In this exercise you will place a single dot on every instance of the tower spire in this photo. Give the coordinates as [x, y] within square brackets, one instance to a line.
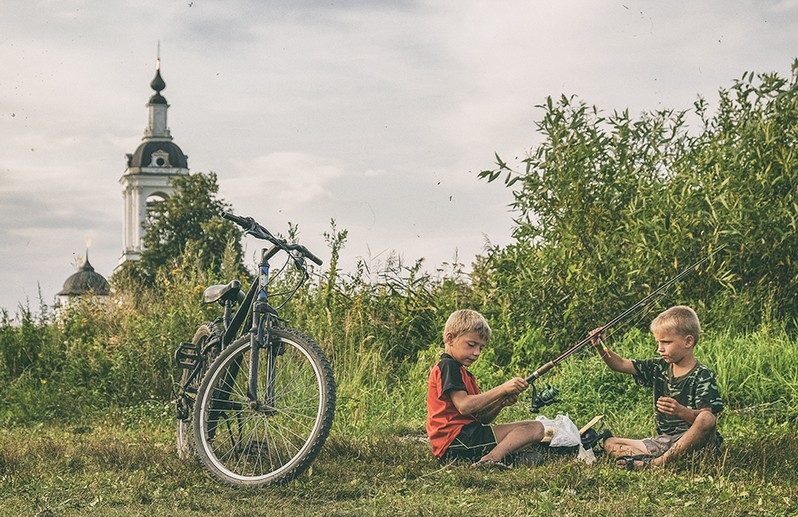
[157, 104]
[157, 82]
[150, 169]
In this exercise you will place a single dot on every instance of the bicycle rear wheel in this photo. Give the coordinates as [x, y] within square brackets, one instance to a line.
[254, 443]
[184, 434]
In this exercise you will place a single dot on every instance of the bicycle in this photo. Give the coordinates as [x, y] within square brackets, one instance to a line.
[262, 395]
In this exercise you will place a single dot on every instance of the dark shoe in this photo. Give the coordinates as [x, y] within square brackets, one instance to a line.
[591, 438]
[637, 462]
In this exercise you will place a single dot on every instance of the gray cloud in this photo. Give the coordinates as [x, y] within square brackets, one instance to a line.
[376, 114]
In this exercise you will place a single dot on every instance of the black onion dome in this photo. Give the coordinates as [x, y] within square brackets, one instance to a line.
[157, 84]
[85, 281]
[143, 157]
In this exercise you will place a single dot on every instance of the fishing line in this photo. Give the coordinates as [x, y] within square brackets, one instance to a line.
[646, 304]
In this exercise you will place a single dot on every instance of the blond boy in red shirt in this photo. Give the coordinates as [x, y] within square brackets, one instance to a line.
[458, 414]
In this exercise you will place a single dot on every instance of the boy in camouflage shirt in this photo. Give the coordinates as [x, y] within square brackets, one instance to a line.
[686, 398]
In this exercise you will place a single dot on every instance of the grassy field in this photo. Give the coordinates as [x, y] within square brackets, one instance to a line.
[61, 454]
[125, 464]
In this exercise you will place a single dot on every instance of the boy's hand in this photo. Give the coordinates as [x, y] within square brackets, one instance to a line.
[514, 386]
[509, 400]
[597, 340]
[669, 406]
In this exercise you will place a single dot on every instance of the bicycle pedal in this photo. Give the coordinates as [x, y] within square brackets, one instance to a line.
[187, 355]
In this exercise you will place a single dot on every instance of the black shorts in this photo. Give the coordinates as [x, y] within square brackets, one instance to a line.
[474, 441]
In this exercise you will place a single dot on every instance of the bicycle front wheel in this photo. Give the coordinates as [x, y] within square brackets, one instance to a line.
[246, 442]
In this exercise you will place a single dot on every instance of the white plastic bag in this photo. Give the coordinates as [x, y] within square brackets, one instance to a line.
[587, 456]
[566, 434]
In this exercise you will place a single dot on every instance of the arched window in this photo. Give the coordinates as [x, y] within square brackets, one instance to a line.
[156, 197]
[152, 201]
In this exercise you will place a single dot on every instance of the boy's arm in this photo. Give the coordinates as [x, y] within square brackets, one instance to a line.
[487, 404]
[708, 399]
[613, 360]
[670, 406]
[490, 413]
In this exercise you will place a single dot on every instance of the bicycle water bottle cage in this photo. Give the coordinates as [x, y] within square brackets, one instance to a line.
[223, 293]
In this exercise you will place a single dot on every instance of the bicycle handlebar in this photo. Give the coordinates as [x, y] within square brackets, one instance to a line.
[253, 228]
[244, 222]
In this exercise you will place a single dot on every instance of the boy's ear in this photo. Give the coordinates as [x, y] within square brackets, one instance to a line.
[690, 340]
[448, 336]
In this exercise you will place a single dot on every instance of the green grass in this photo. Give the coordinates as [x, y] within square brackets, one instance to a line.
[68, 451]
[124, 463]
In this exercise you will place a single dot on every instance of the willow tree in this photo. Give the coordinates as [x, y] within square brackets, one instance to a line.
[608, 206]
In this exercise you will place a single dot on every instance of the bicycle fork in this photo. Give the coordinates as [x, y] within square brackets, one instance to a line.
[260, 338]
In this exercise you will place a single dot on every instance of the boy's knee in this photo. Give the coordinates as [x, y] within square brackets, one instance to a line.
[536, 430]
[705, 422]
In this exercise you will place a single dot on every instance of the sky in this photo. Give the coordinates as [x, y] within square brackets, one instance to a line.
[377, 115]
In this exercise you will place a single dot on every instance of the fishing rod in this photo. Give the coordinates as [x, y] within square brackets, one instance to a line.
[549, 395]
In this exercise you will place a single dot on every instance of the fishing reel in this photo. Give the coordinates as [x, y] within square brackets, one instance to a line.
[544, 398]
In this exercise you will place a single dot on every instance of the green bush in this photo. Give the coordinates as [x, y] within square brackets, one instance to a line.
[608, 207]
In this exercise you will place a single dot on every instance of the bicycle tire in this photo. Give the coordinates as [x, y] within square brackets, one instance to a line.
[184, 436]
[248, 445]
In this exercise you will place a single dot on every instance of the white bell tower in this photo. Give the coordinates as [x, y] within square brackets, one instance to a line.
[150, 170]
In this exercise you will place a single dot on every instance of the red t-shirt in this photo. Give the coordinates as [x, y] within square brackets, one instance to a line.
[444, 422]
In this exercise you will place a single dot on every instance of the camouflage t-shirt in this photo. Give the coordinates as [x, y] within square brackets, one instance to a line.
[697, 389]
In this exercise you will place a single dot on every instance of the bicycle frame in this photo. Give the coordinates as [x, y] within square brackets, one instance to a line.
[263, 317]
[255, 308]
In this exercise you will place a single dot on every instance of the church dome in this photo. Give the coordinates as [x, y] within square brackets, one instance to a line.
[155, 153]
[85, 281]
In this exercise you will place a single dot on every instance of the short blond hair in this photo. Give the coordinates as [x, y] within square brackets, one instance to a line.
[466, 320]
[679, 318]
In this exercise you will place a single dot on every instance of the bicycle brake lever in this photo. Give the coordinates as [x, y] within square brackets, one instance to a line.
[299, 258]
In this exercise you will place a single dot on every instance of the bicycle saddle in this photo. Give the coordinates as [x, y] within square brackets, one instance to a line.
[224, 292]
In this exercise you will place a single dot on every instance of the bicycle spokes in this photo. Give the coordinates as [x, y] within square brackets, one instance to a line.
[272, 436]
